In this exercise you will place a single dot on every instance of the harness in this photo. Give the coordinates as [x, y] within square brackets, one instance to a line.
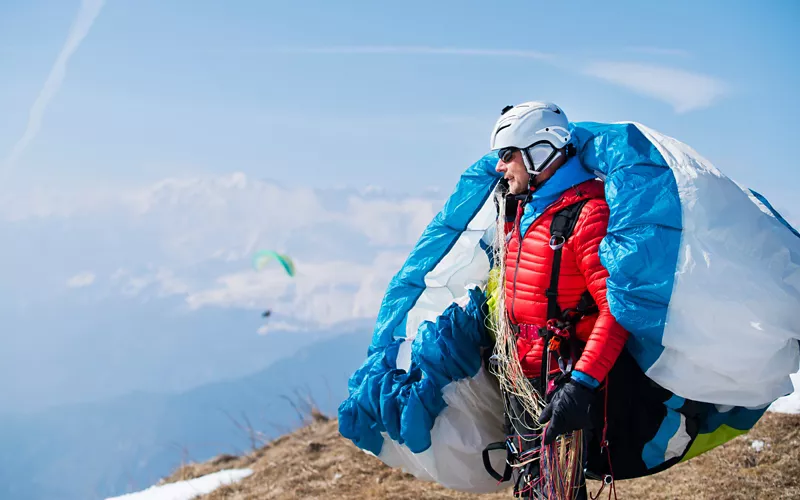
[559, 342]
[559, 331]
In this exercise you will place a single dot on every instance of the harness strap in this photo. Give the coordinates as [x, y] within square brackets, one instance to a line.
[560, 230]
[487, 464]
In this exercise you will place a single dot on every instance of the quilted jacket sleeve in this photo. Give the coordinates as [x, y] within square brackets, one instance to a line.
[607, 338]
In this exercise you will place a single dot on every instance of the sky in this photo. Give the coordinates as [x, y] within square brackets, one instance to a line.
[362, 93]
[147, 147]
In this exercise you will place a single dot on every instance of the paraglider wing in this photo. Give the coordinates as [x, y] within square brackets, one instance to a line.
[423, 400]
[684, 243]
[264, 257]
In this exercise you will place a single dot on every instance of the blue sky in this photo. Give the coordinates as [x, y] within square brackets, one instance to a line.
[359, 93]
[183, 135]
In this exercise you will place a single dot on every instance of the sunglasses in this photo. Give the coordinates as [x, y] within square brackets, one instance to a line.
[506, 154]
[539, 154]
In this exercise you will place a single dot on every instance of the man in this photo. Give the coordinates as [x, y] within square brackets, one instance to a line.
[555, 285]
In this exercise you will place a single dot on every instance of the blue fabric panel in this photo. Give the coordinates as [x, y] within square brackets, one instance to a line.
[472, 190]
[737, 417]
[404, 404]
[655, 451]
[641, 248]
[777, 215]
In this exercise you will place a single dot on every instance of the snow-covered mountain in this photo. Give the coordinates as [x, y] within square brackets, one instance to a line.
[108, 289]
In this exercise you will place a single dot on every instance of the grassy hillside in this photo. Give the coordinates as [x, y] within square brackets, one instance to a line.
[316, 462]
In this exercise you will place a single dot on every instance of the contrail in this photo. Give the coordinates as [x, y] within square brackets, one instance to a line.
[80, 27]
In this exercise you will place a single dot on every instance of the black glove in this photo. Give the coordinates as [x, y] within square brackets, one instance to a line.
[568, 411]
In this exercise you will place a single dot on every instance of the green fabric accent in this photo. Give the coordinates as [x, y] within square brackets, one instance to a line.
[493, 291]
[705, 442]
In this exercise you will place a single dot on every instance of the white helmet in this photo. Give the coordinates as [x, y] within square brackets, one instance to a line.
[539, 129]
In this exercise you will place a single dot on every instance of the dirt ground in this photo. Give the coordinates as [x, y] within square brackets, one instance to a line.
[316, 462]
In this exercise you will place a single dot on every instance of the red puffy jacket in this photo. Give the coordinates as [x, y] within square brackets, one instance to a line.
[581, 269]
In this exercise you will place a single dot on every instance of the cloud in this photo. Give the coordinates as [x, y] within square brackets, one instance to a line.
[275, 326]
[322, 293]
[46, 202]
[683, 90]
[193, 238]
[391, 222]
[160, 283]
[80, 28]
[81, 280]
[414, 50]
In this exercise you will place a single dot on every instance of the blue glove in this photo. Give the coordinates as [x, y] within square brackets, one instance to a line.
[568, 411]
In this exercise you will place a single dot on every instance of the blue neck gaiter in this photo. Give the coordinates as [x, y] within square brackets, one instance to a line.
[570, 174]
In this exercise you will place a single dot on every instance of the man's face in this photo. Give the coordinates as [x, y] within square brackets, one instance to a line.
[514, 172]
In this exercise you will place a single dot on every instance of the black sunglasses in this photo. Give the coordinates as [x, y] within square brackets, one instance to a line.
[506, 154]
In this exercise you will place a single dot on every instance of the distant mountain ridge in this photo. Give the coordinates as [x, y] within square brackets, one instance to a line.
[94, 450]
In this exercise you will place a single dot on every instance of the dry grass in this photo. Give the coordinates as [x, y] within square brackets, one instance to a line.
[734, 471]
[316, 462]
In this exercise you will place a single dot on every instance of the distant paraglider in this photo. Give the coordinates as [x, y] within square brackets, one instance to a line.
[264, 329]
[263, 257]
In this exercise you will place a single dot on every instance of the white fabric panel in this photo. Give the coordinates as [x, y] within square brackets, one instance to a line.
[678, 443]
[465, 264]
[732, 325]
[473, 419]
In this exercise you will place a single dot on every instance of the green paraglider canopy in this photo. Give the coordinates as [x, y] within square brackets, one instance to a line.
[263, 257]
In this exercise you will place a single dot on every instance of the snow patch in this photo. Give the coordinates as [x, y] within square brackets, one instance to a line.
[790, 403]
[186, 490]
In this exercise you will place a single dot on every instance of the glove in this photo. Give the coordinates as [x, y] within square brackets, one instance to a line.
[568, 411]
